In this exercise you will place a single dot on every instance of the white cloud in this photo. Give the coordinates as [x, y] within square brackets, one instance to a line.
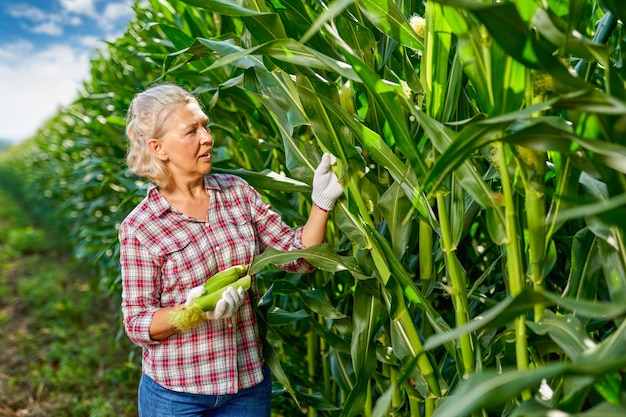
[84, 7]
[47, 28]
[29, 12]
[73, 13]
[35, 84]
[38, 21]
[114, 13]
[13, 51]
[90, 42]
[36, 77]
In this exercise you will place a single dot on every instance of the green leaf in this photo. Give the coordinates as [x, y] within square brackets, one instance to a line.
[396, 209]
[233, 54]
[592, 209]
[273, 362]
[388, 18]
[535, 408]
[267, 180]
[614, 266]
[391, 103]
[293, 52]
[225, 7]
[384, 402]
[579, 47]
[357, 396]
[437, 66]
[322, 256]
[566, 331]
[398, 271]
[508, 309]
[279, 317]
[335, 341]
[491, 388]
[341, 365]
[334, 9]
[316, 401]
[265, 28]
[367, 319]
[313, 299]
[586, 266]
[455, 149]
[500, 315]
[505, 24]
[587, 308]
[325, 129]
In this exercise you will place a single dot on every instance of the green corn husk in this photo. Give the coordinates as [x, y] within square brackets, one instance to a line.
[193, 314]
[225, 277]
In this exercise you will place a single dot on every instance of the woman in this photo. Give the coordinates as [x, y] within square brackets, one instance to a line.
[191, 225]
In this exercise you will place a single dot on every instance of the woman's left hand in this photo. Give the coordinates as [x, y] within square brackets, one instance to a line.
[326, 186]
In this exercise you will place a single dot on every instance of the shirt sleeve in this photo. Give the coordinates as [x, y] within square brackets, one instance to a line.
[273, 232]
[140, 288]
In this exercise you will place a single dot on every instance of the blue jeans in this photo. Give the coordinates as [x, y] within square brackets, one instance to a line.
[157, 401]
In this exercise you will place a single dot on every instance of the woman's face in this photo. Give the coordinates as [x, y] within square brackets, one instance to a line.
[186, 146]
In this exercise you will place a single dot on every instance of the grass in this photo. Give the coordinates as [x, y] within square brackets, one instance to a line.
[63, 352]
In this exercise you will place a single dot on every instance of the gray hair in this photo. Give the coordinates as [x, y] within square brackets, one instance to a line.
[146, 119]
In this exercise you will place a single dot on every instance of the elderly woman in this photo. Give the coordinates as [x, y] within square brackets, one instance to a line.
[191, 225]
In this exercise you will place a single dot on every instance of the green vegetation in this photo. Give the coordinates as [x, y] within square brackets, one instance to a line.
[476, 265]
[61, 353]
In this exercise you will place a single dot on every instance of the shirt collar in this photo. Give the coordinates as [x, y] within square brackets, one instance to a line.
[159, 205]
[210, 183]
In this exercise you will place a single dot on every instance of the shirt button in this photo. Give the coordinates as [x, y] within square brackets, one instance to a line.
[230, 325]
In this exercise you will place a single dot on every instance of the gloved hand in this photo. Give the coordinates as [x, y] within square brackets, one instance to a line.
[326, 186]
[227, 305]
[194, 293]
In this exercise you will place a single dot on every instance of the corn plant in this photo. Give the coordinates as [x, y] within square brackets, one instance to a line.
[476, 264]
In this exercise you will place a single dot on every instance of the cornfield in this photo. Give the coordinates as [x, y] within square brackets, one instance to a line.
[476, 265]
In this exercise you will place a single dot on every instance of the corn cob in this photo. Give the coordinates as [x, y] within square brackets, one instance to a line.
[193, 313]
[224, 277]
[208, 301]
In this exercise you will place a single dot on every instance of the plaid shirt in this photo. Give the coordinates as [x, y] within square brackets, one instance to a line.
[165, 253]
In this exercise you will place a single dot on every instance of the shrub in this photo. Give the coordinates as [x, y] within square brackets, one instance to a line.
[26, 240]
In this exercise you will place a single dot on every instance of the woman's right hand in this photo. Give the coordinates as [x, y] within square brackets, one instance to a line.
[227, 305]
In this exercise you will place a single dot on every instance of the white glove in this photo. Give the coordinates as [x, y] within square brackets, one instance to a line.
[326, 186]
[194, 293]
[227, 305]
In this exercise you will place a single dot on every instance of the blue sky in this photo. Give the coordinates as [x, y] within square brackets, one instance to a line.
[45, 46]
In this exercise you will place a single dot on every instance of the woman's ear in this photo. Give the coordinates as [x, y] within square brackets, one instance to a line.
[156, 147]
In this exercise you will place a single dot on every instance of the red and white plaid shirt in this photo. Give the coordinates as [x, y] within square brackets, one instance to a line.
[165, 253]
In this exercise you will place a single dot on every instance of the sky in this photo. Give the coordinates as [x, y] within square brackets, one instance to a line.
[45, 47]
